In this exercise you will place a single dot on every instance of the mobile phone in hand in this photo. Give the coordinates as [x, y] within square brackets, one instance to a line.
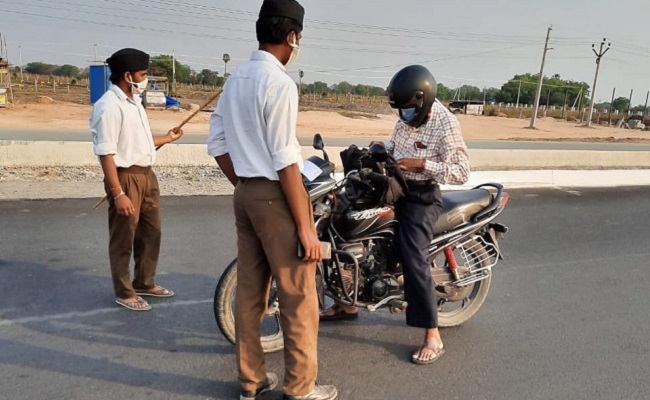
[325, 248]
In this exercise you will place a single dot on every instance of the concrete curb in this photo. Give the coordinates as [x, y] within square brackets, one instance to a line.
[40, 154]
[512, 168]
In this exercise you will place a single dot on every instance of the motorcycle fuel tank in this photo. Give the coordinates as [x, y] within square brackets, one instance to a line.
[372, 223]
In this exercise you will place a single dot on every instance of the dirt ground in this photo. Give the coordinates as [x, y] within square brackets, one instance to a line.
[64, 116]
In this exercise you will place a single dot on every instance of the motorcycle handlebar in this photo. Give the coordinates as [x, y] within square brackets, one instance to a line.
[374, 177]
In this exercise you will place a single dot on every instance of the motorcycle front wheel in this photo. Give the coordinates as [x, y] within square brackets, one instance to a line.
[224, 311]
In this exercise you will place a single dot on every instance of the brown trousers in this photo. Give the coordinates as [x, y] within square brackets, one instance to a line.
[267, 245]
[138, 235]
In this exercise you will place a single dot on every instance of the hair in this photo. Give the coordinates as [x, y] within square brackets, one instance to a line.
[116, 78]
[274, 30]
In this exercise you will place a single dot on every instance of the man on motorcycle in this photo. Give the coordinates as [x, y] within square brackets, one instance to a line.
[428, 145]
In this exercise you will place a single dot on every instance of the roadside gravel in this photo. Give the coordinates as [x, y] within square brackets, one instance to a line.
[82, 182]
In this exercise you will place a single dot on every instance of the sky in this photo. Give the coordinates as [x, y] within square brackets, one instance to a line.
[473, 42]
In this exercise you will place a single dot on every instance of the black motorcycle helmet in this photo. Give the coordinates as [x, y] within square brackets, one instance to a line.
[411, 94]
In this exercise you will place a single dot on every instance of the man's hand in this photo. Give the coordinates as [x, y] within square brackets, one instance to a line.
[175, 134]
[412, 164]
[124, 206]
[311, 244]
[299, 203]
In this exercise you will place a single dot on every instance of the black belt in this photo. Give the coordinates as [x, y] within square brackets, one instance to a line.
[428, 182]
[134, 169]
[252, 179]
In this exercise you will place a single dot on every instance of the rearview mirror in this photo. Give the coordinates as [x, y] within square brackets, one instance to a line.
[378, 152]
[318, 142]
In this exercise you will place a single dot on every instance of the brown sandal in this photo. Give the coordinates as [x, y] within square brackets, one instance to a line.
[134, 304]
[437, 353]
[158, 291]
[339, 314]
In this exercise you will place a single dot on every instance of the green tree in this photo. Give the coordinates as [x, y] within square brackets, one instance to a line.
[40, 68]
[208, 77]
[444, 93]
[84, 73]
[319, 87]
[162, 65]
[509, 90]
[376, 91]
[554, 90]
[491, 94]
[621, 104]
[67, 70]
[342, 88]
[467, 92]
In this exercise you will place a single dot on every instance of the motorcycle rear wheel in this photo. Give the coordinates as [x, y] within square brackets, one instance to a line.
[469, 306]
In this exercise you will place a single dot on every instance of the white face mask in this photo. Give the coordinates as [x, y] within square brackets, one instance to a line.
[140, 87]
[295, 52]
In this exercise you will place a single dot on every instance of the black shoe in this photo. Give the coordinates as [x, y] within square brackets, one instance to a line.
[271, 383]
[325, 392]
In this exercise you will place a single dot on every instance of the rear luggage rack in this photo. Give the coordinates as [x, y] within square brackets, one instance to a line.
[475, 260]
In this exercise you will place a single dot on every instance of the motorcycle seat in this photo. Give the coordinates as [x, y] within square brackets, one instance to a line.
[459, 207]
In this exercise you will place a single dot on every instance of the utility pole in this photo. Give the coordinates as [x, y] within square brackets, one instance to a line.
[580, 95]
[301, 74]
[645, 109]
[518, 93]
[629, 104]
[611, 107]
[20, 58]
[599, 55]
[541, 79]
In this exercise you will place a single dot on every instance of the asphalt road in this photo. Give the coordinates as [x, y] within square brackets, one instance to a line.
[566, 317]
[78, 136]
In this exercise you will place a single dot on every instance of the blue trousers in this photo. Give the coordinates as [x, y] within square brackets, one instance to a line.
[417, 213]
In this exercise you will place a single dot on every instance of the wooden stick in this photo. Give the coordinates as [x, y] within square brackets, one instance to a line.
[185, 121]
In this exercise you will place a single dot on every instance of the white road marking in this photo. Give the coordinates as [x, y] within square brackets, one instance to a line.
[47, 318]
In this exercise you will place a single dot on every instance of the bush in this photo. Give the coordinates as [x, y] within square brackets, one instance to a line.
[490, 111]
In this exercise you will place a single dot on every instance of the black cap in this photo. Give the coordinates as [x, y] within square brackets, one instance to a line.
[126, 60]
[283, 8]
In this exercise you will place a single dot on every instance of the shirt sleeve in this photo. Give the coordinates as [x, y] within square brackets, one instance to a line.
[453, 165]
[217, 135]
[105, 127]
[281, 116]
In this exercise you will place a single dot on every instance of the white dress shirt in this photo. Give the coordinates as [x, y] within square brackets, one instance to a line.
[255, 120]
[120, 127]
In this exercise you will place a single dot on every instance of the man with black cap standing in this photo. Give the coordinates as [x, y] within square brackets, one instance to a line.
[126, 148]
[253, 138]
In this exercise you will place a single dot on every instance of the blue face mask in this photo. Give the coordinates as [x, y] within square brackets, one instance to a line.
[407, 114]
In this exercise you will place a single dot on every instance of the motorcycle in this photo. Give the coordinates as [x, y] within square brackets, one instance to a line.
[353, 217]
